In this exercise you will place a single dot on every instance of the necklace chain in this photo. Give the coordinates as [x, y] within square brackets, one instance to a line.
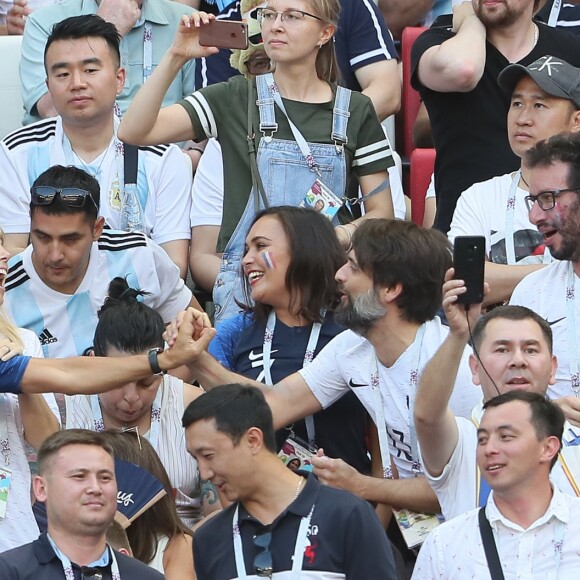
[299, 487]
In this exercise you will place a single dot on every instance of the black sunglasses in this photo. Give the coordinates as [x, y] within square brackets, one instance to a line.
[71, 196]
[263, 564]
[93, 573]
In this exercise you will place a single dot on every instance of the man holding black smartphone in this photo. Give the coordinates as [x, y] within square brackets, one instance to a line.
[512, 350]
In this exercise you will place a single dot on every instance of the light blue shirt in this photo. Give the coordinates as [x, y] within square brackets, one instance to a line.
[163, 17]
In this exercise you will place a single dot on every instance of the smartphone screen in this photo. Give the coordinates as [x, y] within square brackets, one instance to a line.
[224, 34]
[469, 265]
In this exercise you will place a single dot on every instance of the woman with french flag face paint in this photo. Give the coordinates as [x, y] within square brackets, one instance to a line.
[289, 265]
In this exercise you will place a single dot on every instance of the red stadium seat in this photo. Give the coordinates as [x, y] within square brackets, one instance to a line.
[422, 162]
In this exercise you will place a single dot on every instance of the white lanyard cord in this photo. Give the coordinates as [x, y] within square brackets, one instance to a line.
[299, 548]
[571, 329]
[308, 356]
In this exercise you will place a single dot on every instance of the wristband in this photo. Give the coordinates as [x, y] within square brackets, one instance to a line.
[154, 362]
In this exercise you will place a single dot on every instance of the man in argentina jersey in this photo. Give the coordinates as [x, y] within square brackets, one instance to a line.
[57, 285]
[84, 80]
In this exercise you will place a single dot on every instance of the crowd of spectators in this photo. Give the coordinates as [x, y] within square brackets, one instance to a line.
[209, 271]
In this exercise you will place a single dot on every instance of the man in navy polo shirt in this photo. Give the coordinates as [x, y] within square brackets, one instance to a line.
[280, 520]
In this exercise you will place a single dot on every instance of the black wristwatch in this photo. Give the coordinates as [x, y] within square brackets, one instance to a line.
[154, 362]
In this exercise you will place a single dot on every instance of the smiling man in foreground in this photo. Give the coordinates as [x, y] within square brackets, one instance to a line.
[530, 526]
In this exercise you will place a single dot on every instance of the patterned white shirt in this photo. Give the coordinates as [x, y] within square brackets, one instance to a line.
[548, 549]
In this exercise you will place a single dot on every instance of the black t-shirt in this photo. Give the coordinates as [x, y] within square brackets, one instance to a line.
[470, 129]
[340, 429]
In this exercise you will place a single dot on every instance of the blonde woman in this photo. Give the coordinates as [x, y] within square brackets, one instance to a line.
[24, 418]
[304, 129]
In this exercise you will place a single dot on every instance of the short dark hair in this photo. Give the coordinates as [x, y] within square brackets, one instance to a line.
[86, 25]
[547, 418]
[235, 408]
[125, 323]
[59, 176]
[514, 313]
[55, 442]
[397, 252]
[564, 148]
[316, 255]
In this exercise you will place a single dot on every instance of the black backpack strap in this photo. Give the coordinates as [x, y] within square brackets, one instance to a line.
[130, 162]
[489, 547]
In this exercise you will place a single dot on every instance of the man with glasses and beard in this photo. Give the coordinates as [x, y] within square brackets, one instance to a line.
[280, 520]
[554, 169]
[392, 290]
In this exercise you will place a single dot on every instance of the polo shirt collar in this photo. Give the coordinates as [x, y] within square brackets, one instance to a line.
[558, 508]
[300, 507]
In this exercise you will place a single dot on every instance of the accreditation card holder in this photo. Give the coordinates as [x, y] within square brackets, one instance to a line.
[297, 453]
[321, 199]
[5, 479]
[415, 527]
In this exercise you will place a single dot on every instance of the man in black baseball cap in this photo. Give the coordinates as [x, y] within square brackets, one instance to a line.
[545, 101]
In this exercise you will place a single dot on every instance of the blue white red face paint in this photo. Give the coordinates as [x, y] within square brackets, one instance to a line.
[268, 260]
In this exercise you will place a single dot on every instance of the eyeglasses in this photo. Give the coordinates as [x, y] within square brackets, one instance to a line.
[547, 199]
[258, 66]
[263, 564]
[71, 196]
[290, 17]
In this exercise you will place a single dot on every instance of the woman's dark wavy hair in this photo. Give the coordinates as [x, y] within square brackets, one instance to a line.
[316, 255]
[126, 323]
[162, 517]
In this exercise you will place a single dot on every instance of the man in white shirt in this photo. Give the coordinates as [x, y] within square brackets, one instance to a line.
[57, 285]
[512, 350]
[84, 79]
[533, 529]
[545, 101]
[554, 167]
[391, 294]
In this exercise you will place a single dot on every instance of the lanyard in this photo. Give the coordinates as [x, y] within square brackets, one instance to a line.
[571, 328]
[102, 561]
[299, 548]
[554, 13]
[301, 142]
[308, 356]
[509, 223]
[99, 425]
[4, 440]
[380, 411]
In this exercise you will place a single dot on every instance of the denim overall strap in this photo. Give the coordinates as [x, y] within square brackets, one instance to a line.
[266, 105]
[340, 115]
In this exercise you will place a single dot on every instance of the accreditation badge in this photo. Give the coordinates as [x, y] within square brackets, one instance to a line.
[5, 480]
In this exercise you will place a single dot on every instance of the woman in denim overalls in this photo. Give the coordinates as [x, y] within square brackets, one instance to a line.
[297, 37]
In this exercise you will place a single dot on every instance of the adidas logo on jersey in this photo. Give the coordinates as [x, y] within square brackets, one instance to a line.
[46, 337]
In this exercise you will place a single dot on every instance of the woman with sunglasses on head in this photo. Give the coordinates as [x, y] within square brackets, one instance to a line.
[157, 537]
[24, 419]
[153, 406]
[289, 265]
[305, 128]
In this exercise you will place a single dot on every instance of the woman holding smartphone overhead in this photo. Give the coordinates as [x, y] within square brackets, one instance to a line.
[305, 133]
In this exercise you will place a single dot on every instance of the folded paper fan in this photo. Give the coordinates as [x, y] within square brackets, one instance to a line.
[137, 491]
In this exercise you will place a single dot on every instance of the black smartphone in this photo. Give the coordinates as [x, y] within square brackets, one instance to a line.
[230, 34]
[469, 265]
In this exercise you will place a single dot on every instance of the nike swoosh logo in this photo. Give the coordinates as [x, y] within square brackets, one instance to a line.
[556, 321]
[354, 385]
[253, 356]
